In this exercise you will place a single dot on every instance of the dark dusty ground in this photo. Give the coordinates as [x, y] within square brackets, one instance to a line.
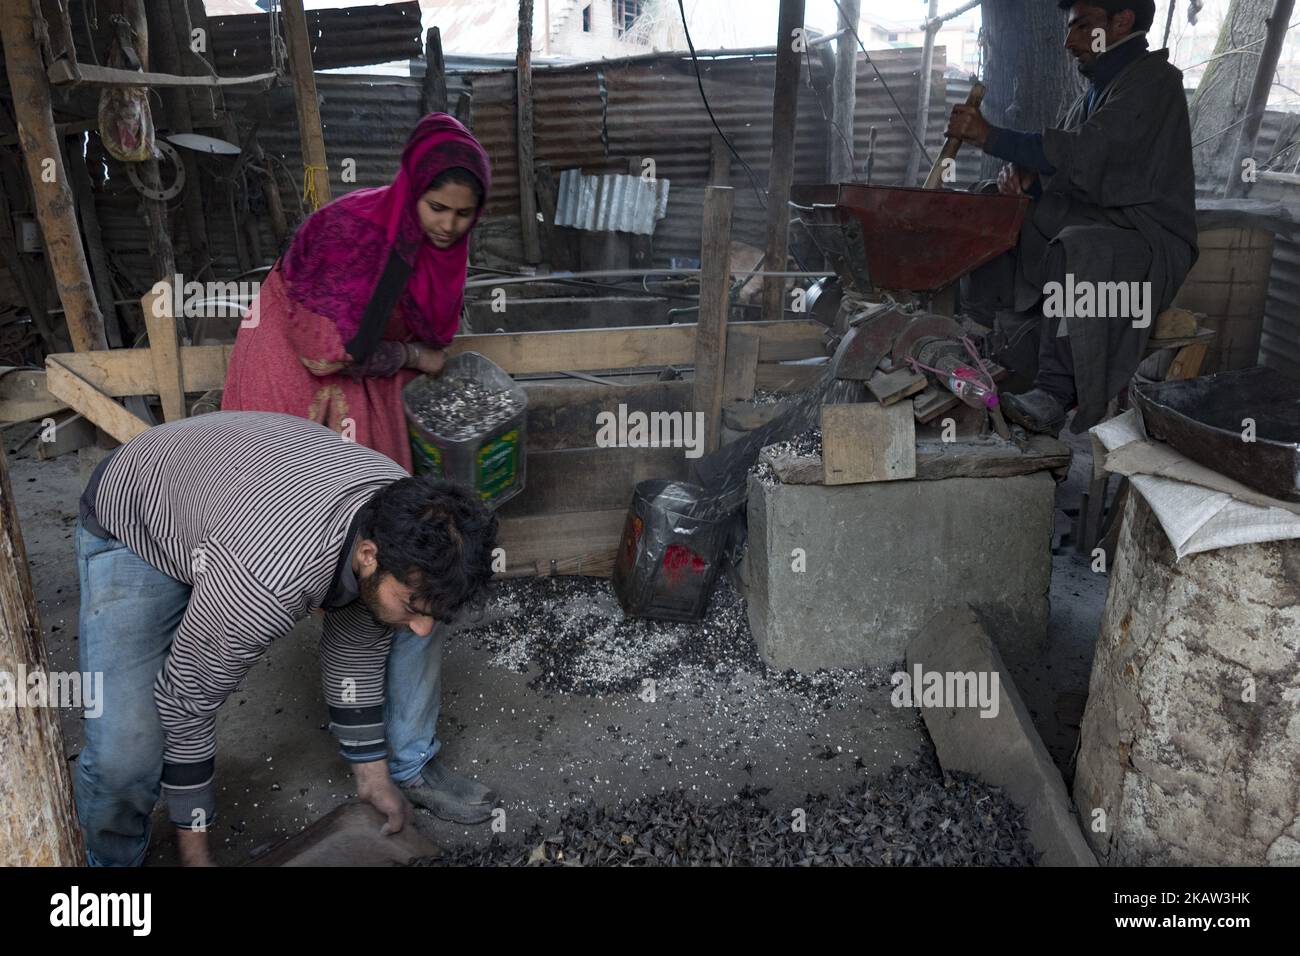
[546, 751]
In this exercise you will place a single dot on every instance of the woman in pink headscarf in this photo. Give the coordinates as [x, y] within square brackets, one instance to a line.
[367, 296]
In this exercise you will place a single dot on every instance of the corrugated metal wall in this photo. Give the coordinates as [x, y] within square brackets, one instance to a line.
[1279, 345]
[597, 114]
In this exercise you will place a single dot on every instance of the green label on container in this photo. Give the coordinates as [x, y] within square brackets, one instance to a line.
[427, 456]
[498, 464]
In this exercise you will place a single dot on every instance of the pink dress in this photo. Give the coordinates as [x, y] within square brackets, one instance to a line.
[290, 362]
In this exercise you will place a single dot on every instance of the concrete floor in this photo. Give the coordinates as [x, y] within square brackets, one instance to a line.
[279, 770]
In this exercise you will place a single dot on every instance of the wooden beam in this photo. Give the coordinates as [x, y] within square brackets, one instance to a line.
[583, 542]
[97, 406]
[715, 303]
[55, 207]
[38, 823]
[743, 347]
[23, 396]
[844, 95]
[165, 349]
[63, 73]
[121, 372]
[719, 162]
[785, 100]
[524, 134]
[72, 432]
[304, 91]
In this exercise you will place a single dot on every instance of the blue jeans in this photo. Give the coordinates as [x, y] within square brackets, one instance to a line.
[129, 612]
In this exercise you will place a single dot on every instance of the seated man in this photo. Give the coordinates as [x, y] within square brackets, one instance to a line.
[1113, 217]
[202, 541]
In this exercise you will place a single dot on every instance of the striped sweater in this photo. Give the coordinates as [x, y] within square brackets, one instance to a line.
[254, 511]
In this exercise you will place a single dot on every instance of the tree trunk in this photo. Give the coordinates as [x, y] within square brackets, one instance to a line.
[1029, 76]
[1219, 104]
[37, 822]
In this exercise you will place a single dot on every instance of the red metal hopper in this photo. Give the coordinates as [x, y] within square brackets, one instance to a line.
[904, 239]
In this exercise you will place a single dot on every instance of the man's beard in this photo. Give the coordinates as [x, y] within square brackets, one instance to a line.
[1088, 67]
[369, 587]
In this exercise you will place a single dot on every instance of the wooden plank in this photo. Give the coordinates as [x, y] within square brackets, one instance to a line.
[775, 377]
[651, 346]
[23, 396]
[937, 459]
[891, 387]
[590, 479]
[38, 826]
[933, 402]
[1187, 363]
[62, 73]
[581, 542]
[119, 372]
[742, 365]
[91, 402]
[868, 442]
[711, 331]
[565, 416]
[165, 350]
[72, 432]
[719, 162]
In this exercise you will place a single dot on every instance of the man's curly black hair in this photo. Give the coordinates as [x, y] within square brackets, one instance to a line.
[435, 537]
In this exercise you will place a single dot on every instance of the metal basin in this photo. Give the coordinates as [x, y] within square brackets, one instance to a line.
[1203, 419]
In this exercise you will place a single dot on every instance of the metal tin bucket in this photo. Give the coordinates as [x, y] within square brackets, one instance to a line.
[671, 550]
[490, 463]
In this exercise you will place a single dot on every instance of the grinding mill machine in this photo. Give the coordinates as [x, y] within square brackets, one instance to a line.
[897, 250]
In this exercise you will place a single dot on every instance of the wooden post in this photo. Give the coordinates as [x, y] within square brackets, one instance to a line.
[166, 57]
[923, 101]
[1258, 102]
[83, 189]
[524, 134]
[719, 162]
[844, 94]
[37, 819]
[785, 99]
[316, 181]
[164, 350]
[711, 332]
[433, 92]
[54, 203]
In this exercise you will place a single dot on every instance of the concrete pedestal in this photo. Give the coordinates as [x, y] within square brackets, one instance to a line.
[879, 560]
[1188, 749]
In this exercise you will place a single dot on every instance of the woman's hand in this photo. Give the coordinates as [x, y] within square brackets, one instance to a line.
[427, 360]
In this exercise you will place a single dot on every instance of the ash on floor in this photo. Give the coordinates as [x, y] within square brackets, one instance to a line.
[570, 635]
[912, 816]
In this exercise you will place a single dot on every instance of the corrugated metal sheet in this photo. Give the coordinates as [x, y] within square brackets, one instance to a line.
[599, 115]
[354, 36]
[611, 203]
[1279, 345]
